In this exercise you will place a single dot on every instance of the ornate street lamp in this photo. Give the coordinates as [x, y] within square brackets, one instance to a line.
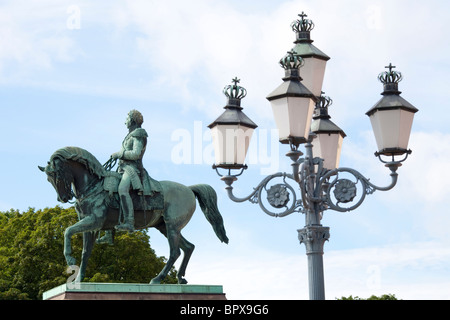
[323, 184]
[330, 137]
[392, 116]
[292, 103]
[232, 131]
[315, 60]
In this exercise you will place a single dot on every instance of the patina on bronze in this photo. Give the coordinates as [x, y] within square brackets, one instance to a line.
[166, 205]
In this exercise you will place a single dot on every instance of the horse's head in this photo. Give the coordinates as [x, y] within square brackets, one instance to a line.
[60, 178]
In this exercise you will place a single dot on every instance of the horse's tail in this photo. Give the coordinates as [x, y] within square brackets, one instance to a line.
[207, 198]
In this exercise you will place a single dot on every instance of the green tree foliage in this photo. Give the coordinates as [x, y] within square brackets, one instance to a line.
[372, 297]
[32, 260]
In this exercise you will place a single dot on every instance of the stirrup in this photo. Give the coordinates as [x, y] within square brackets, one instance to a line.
[107, 238]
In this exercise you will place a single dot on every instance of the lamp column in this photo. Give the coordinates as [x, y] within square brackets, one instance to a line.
[314, 237]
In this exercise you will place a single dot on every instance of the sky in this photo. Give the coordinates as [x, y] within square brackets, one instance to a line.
[70, 71]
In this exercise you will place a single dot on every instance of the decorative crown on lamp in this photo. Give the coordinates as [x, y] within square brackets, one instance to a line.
[302, 25]
[292, 62]
[234, 93]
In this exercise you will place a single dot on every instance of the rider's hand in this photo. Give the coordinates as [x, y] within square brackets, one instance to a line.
[116, 155]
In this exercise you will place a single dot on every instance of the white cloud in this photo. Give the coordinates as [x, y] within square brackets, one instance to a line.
[33, 36]
[397, 269]
[422, 190]
[254, 273]
[186, 52]
[426, 169]
[193, 49]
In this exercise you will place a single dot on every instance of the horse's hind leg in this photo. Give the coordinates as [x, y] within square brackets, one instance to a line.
[187, 248]
[173, 236]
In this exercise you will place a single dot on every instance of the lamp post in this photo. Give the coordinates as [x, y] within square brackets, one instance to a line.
[302, 118]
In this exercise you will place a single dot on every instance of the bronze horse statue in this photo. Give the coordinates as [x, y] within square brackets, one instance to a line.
[76, 173]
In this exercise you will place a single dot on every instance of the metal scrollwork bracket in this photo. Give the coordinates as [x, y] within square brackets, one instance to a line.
[342, 190]
[278, 196]
[320, 189]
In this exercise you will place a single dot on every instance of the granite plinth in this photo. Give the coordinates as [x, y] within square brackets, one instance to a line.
[132, 291]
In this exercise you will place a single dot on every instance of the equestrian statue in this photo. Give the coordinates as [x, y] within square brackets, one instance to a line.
[127, 199]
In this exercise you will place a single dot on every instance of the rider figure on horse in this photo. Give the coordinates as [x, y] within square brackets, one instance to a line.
[130, 166]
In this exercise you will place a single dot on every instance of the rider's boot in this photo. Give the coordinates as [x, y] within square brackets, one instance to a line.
[127, 208]
[107, 238]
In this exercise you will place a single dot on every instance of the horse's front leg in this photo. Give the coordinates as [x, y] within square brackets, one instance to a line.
[88, 244]
[87, 224]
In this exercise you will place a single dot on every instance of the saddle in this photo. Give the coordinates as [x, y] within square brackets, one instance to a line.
[151, 199]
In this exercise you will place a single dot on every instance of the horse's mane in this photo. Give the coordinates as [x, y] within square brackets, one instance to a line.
[82, 156]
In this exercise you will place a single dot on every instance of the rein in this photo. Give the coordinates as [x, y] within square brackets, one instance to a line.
[83, 197]
[91, 191]
[109, 165]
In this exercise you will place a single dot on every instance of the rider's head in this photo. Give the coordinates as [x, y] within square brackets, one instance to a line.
[136, 117]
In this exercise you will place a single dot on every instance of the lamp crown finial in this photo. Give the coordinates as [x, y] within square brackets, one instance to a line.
[291, 60]
[302, 24]
[234, 92]
[390, 76]
[324, 101]
[321, 109]
[390, 80]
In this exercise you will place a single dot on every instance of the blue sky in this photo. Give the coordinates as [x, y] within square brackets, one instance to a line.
[71, 70]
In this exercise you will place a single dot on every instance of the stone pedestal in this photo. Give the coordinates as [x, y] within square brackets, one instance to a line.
[131, 291]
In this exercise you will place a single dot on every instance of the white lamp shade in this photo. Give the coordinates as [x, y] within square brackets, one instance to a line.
[231, 142]
[392, 128]
[293, 117]
[312, 73]
[328, 146]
